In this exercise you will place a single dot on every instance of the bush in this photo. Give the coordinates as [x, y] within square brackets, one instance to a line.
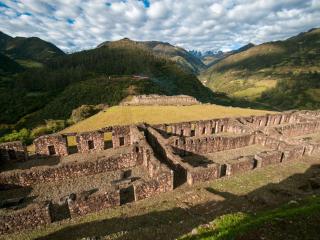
[23, 135]
[51, 126]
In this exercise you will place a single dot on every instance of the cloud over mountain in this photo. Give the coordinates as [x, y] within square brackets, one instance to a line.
[201, 24]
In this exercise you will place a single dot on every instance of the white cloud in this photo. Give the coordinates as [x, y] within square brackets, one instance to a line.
[202, 24]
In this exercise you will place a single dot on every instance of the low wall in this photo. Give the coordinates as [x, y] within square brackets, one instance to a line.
[297, 129]
[154, 99]
[93, 203]
[70, 170]
[29, 218]
[211, 144]
[202, 174]
[11, 151]
[243, 164]
[163, 183]
[268, 158]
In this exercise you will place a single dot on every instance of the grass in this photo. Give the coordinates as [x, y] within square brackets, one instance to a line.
[122, 115]
[238, 224]
[29, 63]
[314, 93]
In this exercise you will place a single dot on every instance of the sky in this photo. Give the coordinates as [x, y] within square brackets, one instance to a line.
[203, 25]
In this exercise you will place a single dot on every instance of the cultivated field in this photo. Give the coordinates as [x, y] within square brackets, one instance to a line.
[123, 115]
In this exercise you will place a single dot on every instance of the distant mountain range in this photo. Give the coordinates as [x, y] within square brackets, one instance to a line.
[179, 55]
[210, 58]
[38, 81]
[285, 74]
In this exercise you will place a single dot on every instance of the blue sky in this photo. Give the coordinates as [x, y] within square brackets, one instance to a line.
[193, 24]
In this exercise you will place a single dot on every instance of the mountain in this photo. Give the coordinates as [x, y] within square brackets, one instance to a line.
[102, 75]
[32, 48]
[179, 55]
[284, 74]
[210, 58]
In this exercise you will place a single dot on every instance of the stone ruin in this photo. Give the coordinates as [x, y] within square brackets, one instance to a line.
[154, 99]
[140, 161]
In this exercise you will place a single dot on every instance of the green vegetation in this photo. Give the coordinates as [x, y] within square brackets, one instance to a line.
[280, 74]
[32, 48]
[184, 59]
[99, 76]
[7, 65]
[237, 225]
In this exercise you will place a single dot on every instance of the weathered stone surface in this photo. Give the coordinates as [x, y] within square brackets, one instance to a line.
[243, 164]
[31, 217]
[202, 174]
[90, 141]
[55, 144]
[93, 203]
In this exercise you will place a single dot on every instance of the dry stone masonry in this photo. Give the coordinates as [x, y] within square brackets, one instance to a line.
[152, 159]
[154, 99]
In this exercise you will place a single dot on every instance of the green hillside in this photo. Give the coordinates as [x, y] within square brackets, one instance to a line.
[32, 48]
[177, 54]
[7, 65]
[103, 75]
[284, 74]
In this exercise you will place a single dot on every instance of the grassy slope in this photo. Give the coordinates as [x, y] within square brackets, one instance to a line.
[291, 221]
[121, 115]
[283, 65]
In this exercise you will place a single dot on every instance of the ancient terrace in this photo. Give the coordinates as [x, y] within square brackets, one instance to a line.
[121, 164]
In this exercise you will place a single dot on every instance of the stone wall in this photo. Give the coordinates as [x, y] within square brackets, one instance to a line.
[162, 183]
[121, 136]
[90, 141]
[55, 144]
[11, 151]
[30, 217]
[160, 100]
[297, 129]
[83, 205]
[242, 164]
[271, 119]
[70, 170]
[210, 144]
[268, 158]
[202, 174]
[202, 128]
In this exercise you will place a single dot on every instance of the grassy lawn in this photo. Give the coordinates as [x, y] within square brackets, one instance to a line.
[122, 115]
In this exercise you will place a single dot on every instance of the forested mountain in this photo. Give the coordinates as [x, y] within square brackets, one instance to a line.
[8, 66]
[179, 55]
[32, 48]
[103, 75]
[284, 74]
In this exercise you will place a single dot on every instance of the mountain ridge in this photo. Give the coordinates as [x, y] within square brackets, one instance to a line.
[259, 72]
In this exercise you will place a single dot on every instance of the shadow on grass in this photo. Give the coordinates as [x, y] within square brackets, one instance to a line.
[171, 224]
